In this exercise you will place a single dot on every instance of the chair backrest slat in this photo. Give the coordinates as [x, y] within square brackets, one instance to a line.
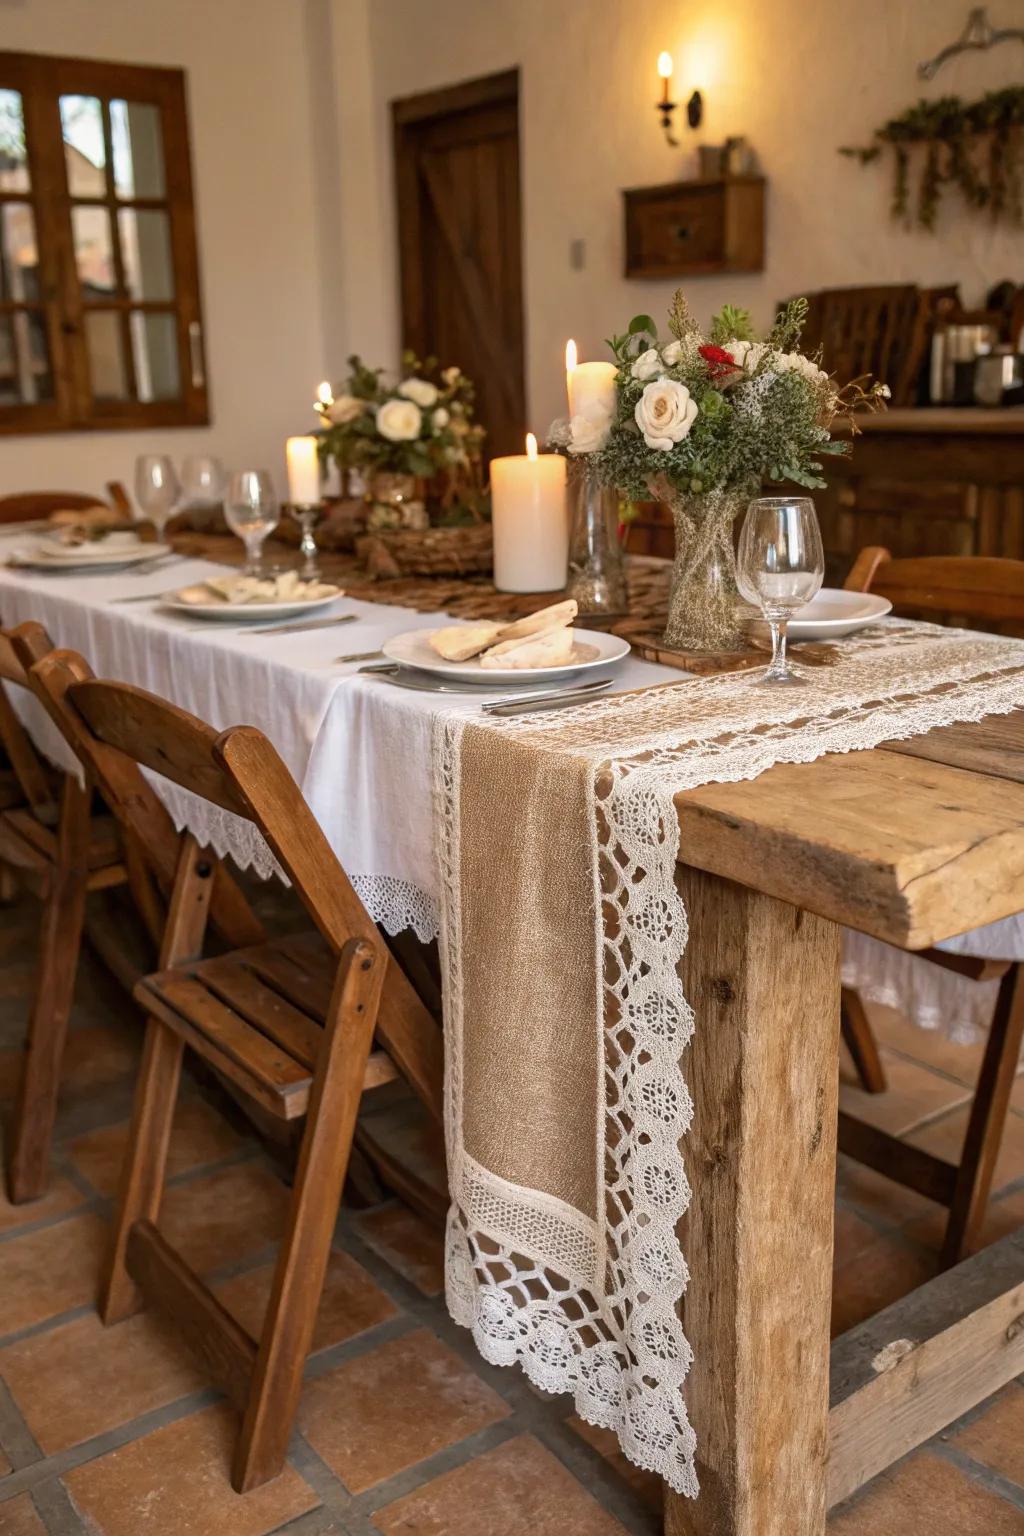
[35, 781]
[158, 735]
[970, 587]
[129, 795]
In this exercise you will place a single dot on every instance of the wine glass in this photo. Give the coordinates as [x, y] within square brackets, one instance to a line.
[202, 480]
[156, 488]
[779, 568]
[252, 511]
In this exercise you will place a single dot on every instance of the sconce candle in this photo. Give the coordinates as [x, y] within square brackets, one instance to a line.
[665, 71]
[303, 471]
[588, 383]
[530, 520]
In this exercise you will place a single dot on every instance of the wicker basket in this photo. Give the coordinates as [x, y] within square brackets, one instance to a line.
[464, 551]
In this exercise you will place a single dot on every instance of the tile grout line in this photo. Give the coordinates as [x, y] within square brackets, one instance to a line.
[984, 1476]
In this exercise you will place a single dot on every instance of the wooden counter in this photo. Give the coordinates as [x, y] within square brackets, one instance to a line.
[942, 481]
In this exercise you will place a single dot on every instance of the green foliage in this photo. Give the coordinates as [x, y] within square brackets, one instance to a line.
[950, 136]
[731, 324]
[789, 325]
[680, 320]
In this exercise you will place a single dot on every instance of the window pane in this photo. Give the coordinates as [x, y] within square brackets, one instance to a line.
[155, 349]
[19, 259]
[13, 159]
[146, 253]
[107, 367]
[94, 252]
[84, 151]
[138, 149]
[25, 375]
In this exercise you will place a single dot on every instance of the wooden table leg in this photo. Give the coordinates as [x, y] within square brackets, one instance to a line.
[763, 979]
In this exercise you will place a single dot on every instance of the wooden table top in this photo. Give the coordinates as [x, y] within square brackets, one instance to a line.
[912, 842]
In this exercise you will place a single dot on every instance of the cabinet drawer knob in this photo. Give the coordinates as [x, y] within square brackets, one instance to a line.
[683, 232]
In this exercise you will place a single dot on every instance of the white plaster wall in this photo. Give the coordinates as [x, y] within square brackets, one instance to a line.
[797, 77]
[264, 152]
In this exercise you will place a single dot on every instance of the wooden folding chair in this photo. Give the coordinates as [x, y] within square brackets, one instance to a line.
[26, 506]
[989, 592]
[291, 1023]
[59, 852]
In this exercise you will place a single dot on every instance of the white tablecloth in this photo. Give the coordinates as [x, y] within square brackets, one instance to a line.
[360, 750]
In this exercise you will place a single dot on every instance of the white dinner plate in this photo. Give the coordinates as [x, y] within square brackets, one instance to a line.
[836, 612]
[46, 555]
[241, 612]
[591, 648]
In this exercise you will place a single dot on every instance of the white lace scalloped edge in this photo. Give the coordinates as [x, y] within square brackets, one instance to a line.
[505, 1288]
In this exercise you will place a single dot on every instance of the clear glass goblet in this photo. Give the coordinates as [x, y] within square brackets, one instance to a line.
[202, 480]
[157, 490]
[779, 568]
[252, 511]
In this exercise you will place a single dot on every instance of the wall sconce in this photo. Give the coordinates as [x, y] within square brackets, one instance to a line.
[694, 107]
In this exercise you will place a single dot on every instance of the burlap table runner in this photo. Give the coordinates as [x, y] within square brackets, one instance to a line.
[565, 1021]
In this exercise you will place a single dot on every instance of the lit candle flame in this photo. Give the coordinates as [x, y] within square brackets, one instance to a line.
[324, 394]
[570, 356]
[531, 446]
[665, 65]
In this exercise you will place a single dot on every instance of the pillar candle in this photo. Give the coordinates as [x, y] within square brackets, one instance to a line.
[589, 384]
[530, 520]
[303, 471]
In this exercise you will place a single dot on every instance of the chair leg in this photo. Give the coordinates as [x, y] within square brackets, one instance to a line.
[987, 1119]
[302, 1262]
[860, 1041]
[60, 937]
[145, 1159]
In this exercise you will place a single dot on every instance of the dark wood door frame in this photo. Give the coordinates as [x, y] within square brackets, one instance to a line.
[410, 117]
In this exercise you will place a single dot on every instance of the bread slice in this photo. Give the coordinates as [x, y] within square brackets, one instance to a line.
[460, 642]
[553, 649]
[544, 619]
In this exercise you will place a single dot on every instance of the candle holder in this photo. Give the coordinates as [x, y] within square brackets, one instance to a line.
[597, 572]
[307, 515]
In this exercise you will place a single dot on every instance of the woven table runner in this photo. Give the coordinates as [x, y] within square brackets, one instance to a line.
[566, 1025]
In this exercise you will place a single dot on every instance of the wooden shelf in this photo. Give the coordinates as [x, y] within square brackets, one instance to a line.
[695, 228]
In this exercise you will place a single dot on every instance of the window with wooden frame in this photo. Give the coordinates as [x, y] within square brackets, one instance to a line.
[100, 324]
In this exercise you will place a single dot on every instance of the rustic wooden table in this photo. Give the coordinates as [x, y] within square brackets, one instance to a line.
[912, 843]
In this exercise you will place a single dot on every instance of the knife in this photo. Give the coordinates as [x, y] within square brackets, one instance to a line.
[579, 690]
[297, 629]
[521, 706]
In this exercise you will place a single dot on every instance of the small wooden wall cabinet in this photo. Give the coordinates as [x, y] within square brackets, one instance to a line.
[694, 228]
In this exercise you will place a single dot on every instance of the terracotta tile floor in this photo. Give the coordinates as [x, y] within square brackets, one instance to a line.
[403, 1430]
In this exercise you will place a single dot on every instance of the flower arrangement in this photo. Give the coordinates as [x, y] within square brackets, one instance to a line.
[420, 426]
[700, 421]
[702, 412]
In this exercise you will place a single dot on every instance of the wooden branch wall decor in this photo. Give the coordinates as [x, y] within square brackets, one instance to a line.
[975, 146]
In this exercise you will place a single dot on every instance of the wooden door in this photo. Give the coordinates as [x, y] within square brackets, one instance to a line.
[457, 184]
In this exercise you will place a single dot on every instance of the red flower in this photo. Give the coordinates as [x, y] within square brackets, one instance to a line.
[719, 361]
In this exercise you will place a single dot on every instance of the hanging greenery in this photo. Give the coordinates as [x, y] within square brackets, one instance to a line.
[977, 146]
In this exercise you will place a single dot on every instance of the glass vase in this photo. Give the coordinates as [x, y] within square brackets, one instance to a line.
[395, 501]
[705, 610]
[597, 571]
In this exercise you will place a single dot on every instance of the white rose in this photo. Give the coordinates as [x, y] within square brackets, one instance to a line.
[589, 430]
[665, 413]
[671, 355]
[794, 362]
[399, 420]
[440, 419]
[647, 365]
[344, 409]
[746, 354]
[421, 390]
[451, 376]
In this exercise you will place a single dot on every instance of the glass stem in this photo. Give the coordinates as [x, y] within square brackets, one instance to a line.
[778, 667]
[252, 554]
